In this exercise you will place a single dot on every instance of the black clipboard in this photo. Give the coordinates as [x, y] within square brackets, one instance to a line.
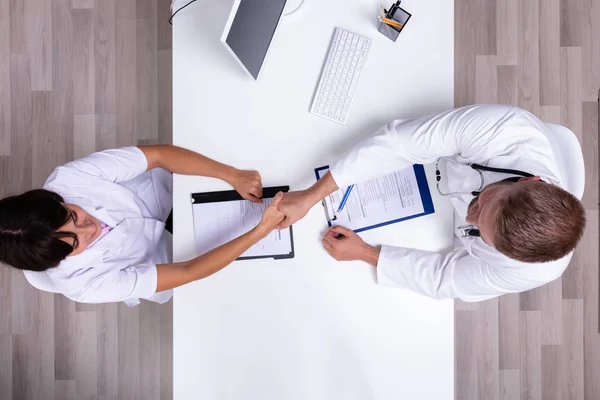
[232, 195]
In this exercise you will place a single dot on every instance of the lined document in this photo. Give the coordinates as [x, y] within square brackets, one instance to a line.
[220, 222]
[377, 201]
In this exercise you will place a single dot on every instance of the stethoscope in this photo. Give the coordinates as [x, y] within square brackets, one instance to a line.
[470, 230]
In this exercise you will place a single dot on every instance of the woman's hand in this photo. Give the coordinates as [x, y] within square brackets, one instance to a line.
[271, 216]
[345, 245]
[248, 184]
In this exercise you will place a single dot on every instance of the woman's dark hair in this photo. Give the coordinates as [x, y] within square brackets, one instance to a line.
[28, 230]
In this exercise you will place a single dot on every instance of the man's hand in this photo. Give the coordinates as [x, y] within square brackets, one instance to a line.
[294, 205]
[345, 245]
[248, 184]
[271, 216]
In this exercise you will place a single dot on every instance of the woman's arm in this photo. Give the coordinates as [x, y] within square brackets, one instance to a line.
[186, 162]
[176, 274]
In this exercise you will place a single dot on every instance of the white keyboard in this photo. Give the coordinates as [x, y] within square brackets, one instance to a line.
[340, 75]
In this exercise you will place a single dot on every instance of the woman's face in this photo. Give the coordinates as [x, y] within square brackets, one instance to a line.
[82, 224]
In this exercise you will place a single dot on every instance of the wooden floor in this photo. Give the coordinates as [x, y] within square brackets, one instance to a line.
[78, 76]
[544, 56]
[84, 75]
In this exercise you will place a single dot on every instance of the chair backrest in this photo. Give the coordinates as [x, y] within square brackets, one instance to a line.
[41, 281]
[568, 151]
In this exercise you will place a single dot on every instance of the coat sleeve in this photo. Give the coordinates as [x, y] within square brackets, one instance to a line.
[470, 132]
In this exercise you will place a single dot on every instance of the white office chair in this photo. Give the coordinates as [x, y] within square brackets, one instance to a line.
[41, 281]
[568, 152]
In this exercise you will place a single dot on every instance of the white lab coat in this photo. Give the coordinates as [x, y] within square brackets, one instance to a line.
[492, 135]
[114, 187]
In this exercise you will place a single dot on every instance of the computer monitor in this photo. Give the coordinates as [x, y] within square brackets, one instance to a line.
[250, 30]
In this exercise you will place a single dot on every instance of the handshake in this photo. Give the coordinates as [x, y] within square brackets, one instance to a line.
[287, 208]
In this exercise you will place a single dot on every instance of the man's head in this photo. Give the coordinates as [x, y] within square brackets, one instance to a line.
[38, 230]
[528, 220]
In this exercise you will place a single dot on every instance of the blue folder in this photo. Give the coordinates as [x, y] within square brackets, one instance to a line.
[423, 190]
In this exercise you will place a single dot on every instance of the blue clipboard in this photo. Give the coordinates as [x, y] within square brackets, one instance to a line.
[423, 189]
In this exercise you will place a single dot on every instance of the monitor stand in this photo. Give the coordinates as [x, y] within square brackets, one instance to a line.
[294, 9]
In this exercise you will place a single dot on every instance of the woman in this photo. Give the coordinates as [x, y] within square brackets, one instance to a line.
[97, 228]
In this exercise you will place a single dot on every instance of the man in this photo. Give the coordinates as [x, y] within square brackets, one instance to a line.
[528, 225]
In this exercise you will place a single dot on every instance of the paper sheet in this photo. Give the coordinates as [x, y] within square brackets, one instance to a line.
[218, 223]
[376, 201]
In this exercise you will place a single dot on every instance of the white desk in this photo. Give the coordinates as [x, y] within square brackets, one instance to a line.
[308, 328]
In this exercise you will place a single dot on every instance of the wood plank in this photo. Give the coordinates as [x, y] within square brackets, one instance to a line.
[5, 97]
[82, 4]
[570, 23]
[126, 87]
[551, 114]
[127, 9]
[572, 350]
[552, 372]
[84, 135]
[147, 73]
[488, 351]
[6, 364]
[33, 354]
[591, 294]
[24, 297]
[590, 49]
[43, 346]
[65, 390]
[106, 132]
[464, 57]
[86, 360]
[20, 122]
[65, 323]
[166, 350]
[165, 96]
[531, 355]
[46, 154]
[62, 93]
[549, 52]
[529, 56]
[531, 300]
[165, 31]
[146, 9]
[466, 386]
[17, 27]
[108, 350]
[5, 298]
[507, 33]
[129, 352]
[551, 308]
[590, 154]
[104, 56]
[570, 89]
[5, 27]
[508, 331]
[149, 342]
[38, 21]
[84, 96]
[510, 383]
[508, 89]
[485, 27]
[486, 77]
[585, 255]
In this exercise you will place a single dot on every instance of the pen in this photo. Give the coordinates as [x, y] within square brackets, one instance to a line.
[391, 22]
[345, 198]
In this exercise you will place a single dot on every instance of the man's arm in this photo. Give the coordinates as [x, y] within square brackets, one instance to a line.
[470, 131]
[185, 162]
[456, 274]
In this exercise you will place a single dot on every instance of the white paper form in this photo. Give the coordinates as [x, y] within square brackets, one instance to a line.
[220, 222]
[377, 201]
